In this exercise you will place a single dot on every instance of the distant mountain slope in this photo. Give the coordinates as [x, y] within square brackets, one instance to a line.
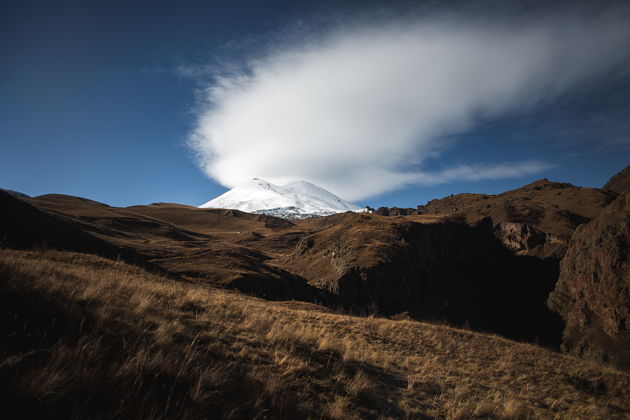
[297, 199]
[537, 219]
[553, 207]
[211, 220]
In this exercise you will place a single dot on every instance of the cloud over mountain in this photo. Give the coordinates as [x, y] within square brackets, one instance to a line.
[360, 109]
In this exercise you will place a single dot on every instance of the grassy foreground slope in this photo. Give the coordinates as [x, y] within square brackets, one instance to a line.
[86, 337]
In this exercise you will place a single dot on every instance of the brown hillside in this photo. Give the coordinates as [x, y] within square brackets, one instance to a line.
[86, 337]
[25, 226]
[218, 252]
[212, 220]
[179, 344]
[432, 267]
[483, 264]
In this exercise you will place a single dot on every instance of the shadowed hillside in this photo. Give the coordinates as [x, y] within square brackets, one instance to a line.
[24, 226]
[87, 337]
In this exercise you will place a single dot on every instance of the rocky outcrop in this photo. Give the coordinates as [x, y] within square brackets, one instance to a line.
[593, 291]
[523, 239]
[619, 183]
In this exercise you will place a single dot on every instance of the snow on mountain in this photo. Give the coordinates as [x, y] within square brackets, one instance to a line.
[294, 200]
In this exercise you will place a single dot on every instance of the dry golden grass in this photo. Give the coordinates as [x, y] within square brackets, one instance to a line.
[89, 337]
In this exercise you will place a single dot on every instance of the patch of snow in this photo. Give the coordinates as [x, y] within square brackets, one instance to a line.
[294, 200]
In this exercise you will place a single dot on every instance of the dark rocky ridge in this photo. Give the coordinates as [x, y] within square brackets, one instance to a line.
[593, 292]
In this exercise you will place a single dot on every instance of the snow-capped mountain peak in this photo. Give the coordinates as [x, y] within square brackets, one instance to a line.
[298, 199]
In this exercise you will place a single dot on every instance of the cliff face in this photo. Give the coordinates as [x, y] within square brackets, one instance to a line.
[593, 291]
[433, 270]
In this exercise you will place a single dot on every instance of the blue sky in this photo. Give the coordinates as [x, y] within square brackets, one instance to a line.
[99, 100]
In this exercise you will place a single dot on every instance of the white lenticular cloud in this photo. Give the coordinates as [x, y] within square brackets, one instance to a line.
[360, 110]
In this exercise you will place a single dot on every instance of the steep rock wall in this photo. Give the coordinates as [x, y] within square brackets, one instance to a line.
[593, 291]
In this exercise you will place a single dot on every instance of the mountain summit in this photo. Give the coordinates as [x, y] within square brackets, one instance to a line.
[298, 199]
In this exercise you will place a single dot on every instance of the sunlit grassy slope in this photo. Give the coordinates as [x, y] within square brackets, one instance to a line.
[86, 337]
